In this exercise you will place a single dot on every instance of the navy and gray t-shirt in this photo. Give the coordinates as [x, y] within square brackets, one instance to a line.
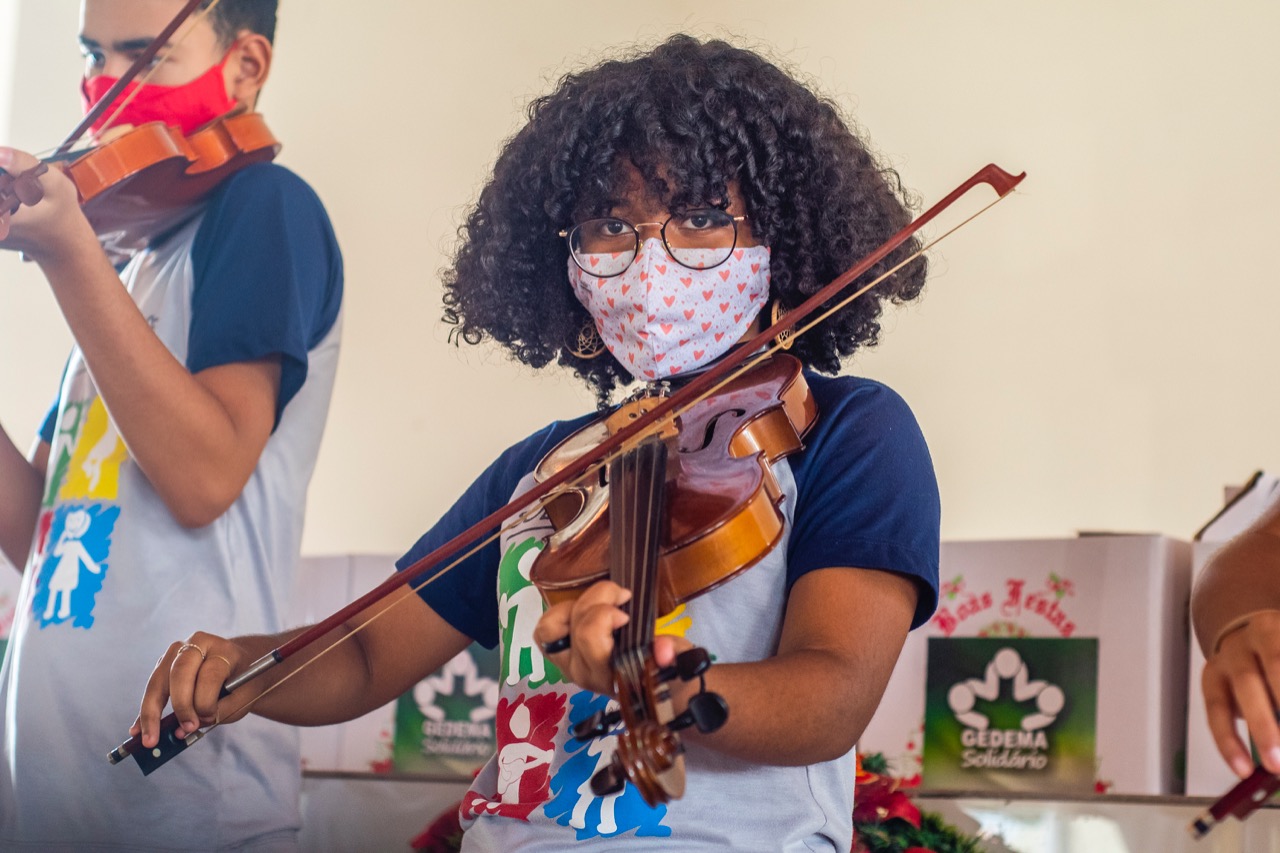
[861, 494]
[113, 578]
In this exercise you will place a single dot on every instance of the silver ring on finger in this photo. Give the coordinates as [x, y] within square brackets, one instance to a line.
[182, 648]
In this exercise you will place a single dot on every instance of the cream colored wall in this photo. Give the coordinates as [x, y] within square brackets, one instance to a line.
[1093, 353]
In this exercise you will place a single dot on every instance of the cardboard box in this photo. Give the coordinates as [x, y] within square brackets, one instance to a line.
[1129, 592]
[1207, 774]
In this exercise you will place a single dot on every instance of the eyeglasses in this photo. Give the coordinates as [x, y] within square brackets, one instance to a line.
[697, 239]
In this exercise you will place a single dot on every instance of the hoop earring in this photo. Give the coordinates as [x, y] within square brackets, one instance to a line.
[589, 344]
[776, 313]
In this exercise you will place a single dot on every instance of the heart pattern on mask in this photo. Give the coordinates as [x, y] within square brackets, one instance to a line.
[689, 317]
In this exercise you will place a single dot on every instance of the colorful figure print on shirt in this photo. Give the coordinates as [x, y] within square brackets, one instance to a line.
[575, 805]
[527, 743]
[74, 564]
[74, 531]
[520, 606]
[99, 452]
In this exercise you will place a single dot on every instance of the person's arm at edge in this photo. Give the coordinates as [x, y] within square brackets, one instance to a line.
[1235, 612]
[21, 488]
[1243, 577]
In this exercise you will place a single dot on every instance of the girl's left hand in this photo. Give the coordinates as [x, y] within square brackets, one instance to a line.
[589, 622]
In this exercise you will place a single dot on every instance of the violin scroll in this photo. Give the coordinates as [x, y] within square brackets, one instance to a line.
[649, 751]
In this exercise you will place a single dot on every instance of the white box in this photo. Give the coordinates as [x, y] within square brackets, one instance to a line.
[1130, 592]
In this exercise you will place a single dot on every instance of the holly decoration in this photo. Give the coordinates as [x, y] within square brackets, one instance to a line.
[886, 821]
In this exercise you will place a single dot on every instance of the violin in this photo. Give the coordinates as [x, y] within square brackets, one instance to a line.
[148, 179]
[646, 428]
[687, 510]
[151, 178]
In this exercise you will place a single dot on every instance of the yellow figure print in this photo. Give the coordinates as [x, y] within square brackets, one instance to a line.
[674, 624]
[94, 471]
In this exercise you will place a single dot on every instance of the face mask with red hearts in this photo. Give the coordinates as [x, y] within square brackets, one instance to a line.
[660, 319]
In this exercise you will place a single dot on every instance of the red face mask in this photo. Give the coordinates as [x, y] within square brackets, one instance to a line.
[186, 107]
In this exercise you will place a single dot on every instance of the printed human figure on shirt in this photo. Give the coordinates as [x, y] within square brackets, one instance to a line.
[573, 803]
[74, 566]
[603, 748]
[526, 733]
[520, 605]
[94, 471]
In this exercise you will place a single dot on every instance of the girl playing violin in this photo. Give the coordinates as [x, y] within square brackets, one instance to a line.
[166, 487]
[699, 184]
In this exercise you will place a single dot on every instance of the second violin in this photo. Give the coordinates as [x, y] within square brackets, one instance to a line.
[151, 178]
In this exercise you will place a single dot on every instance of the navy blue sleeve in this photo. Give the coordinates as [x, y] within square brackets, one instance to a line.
[268, 276]
[49, 426]
[867, 495]
[467, 596]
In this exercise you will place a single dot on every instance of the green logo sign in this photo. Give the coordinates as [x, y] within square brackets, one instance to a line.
[1011, 713]
[445, 725]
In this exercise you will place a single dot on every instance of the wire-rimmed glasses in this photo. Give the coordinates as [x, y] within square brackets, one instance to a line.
[697, 239]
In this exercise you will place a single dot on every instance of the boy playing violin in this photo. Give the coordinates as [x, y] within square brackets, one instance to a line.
[699, 184]
[166, 489]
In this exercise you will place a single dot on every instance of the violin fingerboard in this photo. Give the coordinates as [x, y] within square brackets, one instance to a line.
[637, 509]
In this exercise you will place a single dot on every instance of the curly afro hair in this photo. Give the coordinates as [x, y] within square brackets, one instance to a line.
[692, 117]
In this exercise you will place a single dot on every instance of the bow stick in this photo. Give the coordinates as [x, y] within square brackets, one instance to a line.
[704, 384]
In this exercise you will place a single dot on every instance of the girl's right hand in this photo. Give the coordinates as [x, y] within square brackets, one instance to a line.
[190, 676]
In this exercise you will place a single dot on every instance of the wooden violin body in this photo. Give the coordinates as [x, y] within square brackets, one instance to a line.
[723, 511]
[151, 178]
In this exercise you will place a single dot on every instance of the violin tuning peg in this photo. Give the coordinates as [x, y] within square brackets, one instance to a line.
[609, 780]
[689, 665]
[692, 663]
[597, 725]
[709, 711]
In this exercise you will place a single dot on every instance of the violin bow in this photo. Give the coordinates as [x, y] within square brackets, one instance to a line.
[1241, 801]
[473, 537]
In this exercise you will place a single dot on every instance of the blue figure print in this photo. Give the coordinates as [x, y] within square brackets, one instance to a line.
[75, 565]
[573, 803]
